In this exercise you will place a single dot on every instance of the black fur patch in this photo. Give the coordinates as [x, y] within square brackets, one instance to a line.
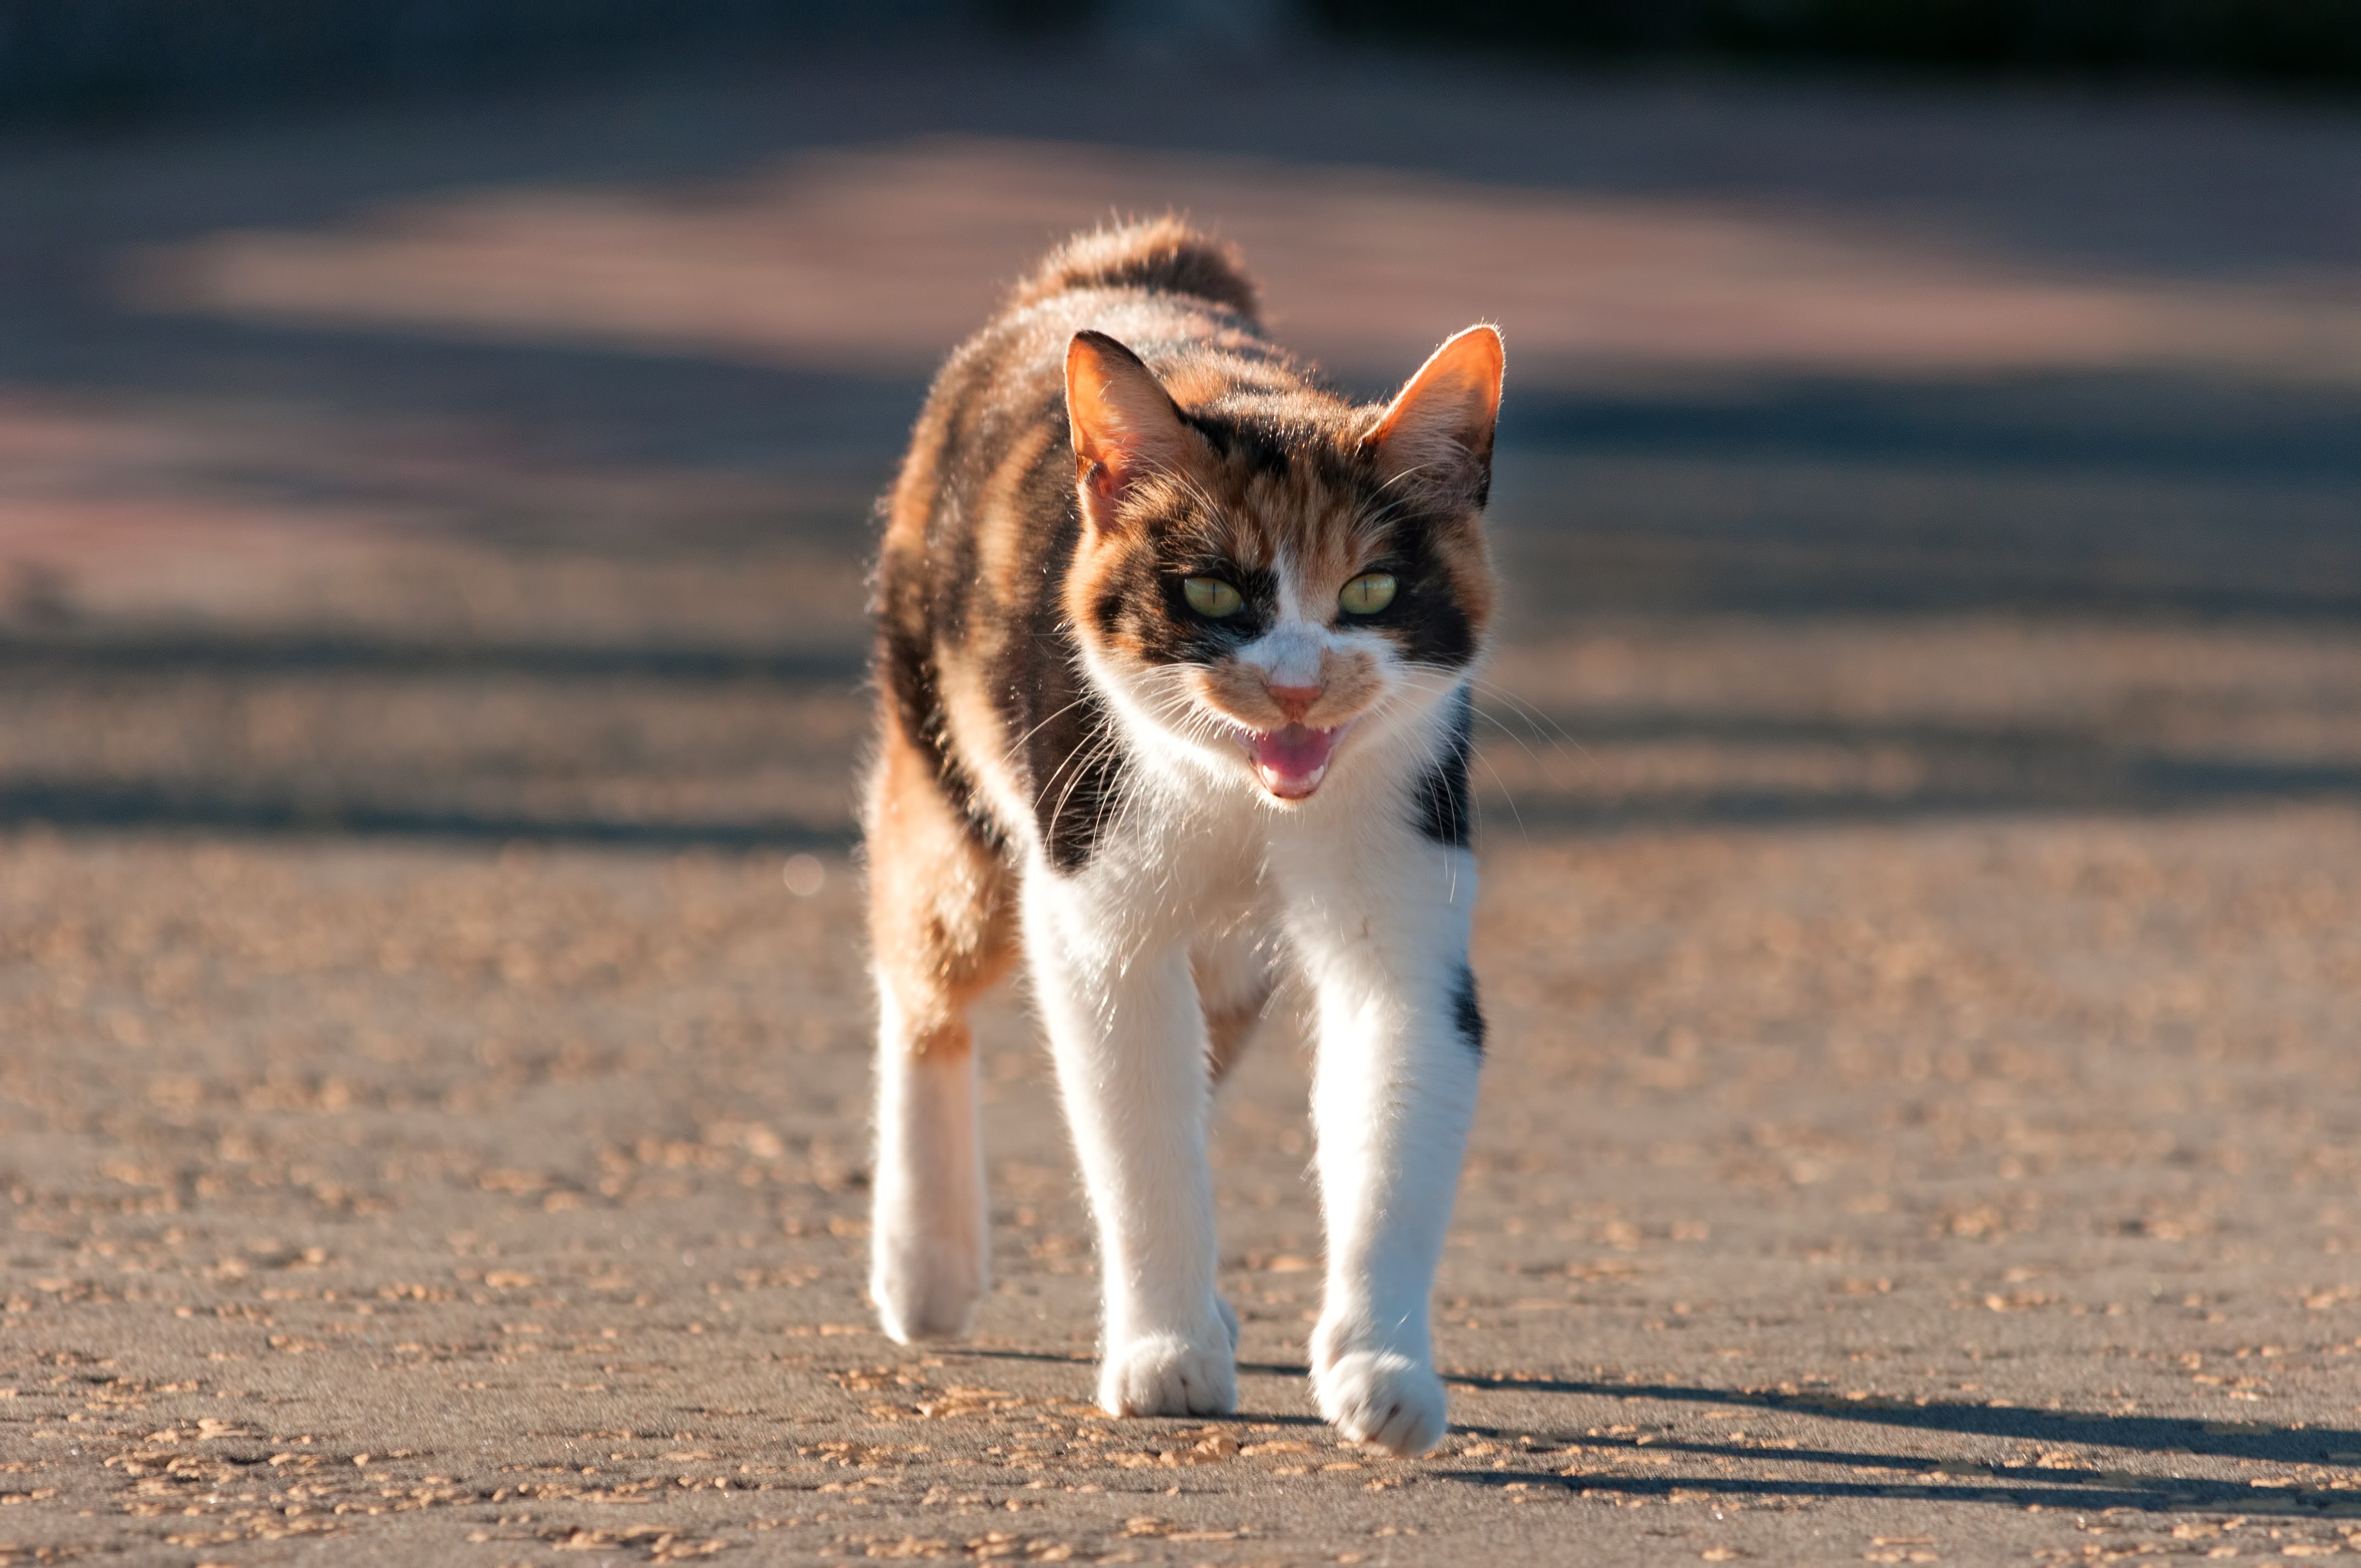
[1426, 620]
[1439, 801]
[1073, 761]
[1150, 604]
[1079, 779]
[910, 684]
[1467, 1012]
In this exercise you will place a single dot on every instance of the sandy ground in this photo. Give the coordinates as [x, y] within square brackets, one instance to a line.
[1922, 904]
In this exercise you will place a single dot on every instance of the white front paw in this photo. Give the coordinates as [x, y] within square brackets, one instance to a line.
[1169, 1375]
[1384, 1397]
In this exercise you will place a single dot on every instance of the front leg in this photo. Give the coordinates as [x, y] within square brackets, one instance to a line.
[1401, 1040]
[1128, 1037]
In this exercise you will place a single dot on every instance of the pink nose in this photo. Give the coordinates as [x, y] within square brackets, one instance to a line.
[1295, 701]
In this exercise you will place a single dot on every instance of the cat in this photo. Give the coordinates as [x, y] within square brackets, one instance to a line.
[1173, 659]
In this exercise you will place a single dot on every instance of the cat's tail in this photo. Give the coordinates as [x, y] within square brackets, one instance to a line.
[1164, 256]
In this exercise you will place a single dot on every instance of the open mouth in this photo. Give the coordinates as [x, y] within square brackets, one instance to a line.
[1291, 761]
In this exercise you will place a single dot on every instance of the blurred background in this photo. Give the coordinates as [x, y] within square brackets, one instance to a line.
[1922, 907]
[430, 418]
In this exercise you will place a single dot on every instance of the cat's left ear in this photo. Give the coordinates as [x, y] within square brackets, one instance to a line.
[1438, 429]
[1125, 425]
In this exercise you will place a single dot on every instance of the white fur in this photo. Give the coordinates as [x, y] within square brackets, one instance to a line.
[1203, 865]
[1381, 937]
[929, 1259]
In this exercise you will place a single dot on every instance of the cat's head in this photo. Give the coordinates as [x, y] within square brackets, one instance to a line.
[1269, 581]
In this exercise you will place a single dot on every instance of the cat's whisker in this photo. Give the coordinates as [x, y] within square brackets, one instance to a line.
[1095, 737]
[1444, 688]
[1526, 710]
[1518, 707]
[1092, 743]
[1078, 763]
[1104, 743]
[1018, 744]
[1506, 794]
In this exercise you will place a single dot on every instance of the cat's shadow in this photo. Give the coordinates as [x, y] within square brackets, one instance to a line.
[2162, 1435]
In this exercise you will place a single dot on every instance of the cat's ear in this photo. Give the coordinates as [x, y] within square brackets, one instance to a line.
[1125, 425]
[1438, 429]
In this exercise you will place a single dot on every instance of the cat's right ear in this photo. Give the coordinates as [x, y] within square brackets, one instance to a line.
[1125, 425]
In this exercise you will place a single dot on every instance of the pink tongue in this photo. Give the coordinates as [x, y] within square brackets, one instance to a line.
[1291, 761]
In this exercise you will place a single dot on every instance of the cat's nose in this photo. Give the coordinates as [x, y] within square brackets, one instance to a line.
[1295, 701]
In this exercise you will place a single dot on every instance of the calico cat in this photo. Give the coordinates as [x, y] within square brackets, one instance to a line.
[1172, 663]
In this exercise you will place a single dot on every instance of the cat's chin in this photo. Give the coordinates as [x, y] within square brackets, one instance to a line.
[1290, 762]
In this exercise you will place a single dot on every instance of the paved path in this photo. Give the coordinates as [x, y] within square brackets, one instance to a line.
[1920, 837]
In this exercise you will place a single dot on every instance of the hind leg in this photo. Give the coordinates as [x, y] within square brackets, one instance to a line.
[940, 931]
[1235, 974]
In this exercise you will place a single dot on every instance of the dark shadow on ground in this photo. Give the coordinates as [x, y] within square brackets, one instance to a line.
[2152, 1434]
[2049, 1485]
[2158, 1494]
[2182, 427]
[25, 659]
[1961, 772]
[577, 403]
[161, 808]
[2039, 171]
[2197, 788]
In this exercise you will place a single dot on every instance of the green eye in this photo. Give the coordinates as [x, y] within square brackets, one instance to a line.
[1212, 598]
[1368, 594]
